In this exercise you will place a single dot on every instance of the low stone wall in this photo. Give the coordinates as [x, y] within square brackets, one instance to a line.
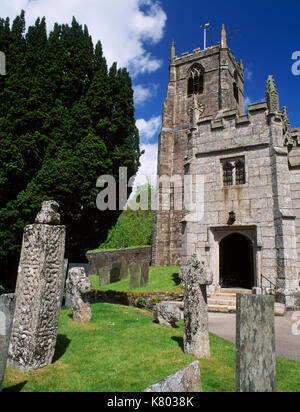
[138, 299]
[116, 262]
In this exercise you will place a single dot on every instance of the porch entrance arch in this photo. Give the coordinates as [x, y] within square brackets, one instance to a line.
[236, 262]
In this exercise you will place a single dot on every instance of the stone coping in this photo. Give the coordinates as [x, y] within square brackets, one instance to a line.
[118, 250]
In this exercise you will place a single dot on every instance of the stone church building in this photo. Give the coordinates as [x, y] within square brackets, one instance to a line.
[248, 231]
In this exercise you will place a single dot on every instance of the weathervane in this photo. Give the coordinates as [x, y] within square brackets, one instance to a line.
[206, 25]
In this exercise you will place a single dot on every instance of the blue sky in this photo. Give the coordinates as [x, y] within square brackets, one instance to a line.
[267, 35]
[264, 34]
[138, 34]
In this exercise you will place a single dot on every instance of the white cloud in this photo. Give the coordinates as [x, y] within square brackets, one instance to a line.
[248, 74]
[143, 93]
[148, 128]
[123, 26]
[147, 172]
[247, 101]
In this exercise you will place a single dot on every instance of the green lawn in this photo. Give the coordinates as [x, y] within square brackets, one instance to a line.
[123, 350]
[164, 279]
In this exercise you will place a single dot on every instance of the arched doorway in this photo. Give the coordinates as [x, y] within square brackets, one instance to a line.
[236, 262]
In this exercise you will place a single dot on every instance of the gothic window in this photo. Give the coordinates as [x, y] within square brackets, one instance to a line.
[234, 172]
[196, 80]
[227, 174]
[240, 178]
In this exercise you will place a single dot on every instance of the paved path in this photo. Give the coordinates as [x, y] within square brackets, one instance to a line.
[287, 345]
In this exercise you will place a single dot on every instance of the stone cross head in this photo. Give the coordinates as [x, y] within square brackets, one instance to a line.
[196, 272]
[48, 214]
[78, 281]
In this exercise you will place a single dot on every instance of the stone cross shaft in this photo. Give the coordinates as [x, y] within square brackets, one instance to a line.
[38, 291]
[196, 276]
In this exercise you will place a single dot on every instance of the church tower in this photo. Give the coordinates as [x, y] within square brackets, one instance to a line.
[229, 180]
[213, 81]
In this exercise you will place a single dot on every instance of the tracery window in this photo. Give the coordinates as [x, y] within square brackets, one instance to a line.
[196, 80]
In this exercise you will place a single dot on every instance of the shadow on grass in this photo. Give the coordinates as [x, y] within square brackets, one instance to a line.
[15, 388]
[176, 279]
[179, 340]
[169, 327]
[61, 347]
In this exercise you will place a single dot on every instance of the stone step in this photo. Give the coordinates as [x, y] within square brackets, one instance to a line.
[221, 308]
[220, 301]
[280, 309]
[225, 306]
[219, 295]
[235, 291]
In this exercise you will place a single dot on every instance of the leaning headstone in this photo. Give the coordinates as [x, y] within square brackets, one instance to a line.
[196, 276]
[134, 269]
[115, 272]
[144, 274]
[7, 308]
[167, 314]
[255, 344]
[104, 276]
[124, 268]
[78, 287]
[187, 379]
[38, 291]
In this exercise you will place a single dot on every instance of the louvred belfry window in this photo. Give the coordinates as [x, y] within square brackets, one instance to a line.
[196, 80]
[235, 88]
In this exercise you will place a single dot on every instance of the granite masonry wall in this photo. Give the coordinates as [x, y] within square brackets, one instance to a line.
[108, 258]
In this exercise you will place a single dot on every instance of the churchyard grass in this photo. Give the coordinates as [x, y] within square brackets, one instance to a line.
[164, 279]
[124, 350]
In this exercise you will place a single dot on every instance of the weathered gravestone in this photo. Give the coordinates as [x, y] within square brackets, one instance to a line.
[99, 262]
[104, 275]
[134, 269]
[78, 287]
[167, 314]
[196, 276]
[7, 308]
[124, 268]
[187, 379]
[144, 274]
[38, 291]
[115, 272]
[255, 344]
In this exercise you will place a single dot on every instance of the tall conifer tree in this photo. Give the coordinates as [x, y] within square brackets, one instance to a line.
[65, 119]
